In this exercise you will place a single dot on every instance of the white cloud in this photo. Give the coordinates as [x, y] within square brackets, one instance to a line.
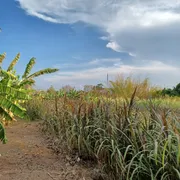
[139, 27]
[104, 61]
[145, 29]
[104, 12]
[105, 38]
[114, 46]
[42, 16]
[90, 64]
[157, 71]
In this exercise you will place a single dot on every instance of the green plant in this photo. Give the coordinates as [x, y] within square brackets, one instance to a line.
[13, 90]
[27, 79]
[73, 94]
[2, 134]
[35, 109]
[171, 92]
[127, 140]
[124, 87]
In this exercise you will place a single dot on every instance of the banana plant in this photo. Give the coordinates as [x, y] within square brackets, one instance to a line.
[27, 79]
[10, 99]
[73, 94]
[13, 91]
[61, 93]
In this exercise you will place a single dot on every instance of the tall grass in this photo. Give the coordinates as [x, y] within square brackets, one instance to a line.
[126, 132]
[126, 142]
[124, 87]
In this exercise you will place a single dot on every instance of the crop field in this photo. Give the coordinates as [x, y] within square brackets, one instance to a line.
[127, 136]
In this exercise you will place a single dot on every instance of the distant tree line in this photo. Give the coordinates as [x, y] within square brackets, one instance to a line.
[175, 91]
[171, 92]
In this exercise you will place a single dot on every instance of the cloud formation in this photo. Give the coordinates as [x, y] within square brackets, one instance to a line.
[149, 29]
[103, 62]
[160, 73]
[145, 29]
[115, 46]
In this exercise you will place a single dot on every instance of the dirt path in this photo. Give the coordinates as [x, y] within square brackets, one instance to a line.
[26, 157]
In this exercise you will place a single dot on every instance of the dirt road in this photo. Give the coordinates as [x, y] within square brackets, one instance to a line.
[26, 157]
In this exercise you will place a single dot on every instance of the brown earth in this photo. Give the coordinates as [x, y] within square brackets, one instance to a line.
[26, 156]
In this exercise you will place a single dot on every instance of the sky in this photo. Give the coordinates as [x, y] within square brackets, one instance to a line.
[88, 39]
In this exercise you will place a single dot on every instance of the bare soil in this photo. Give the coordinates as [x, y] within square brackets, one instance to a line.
[26, 156]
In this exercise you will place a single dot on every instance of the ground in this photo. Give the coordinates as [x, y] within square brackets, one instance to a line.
[26, 156]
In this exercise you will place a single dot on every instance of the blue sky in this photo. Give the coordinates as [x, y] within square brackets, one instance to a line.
[88, 39]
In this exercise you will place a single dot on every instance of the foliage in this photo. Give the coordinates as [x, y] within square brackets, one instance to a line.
[10, 99]
[35, 109]
[125, 131]
[2, 134]
[66, 91]
[10, 103]
[73, 94]
[124, 87]
[128, 139]
[98, 86]
[26, 79]
[51, 90]
[171, 92]
[13, 91]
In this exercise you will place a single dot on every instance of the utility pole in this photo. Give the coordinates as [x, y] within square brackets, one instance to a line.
[107, 80]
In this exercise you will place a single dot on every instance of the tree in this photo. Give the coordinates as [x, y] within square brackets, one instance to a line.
[177, 89]
[98, 86]
[13, 91]
[27, 79]
[171, 92]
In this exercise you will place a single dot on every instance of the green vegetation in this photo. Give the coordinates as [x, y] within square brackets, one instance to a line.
[130, 131]
[14, 91]
[171, 92]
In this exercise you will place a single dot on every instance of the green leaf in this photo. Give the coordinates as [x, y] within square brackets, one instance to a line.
[7, 75]
[16, 109]
[42, 72]
[2, 57]
[25, 82]
[13, 63]
[2, 134]
[29, 67]
[13, 92]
